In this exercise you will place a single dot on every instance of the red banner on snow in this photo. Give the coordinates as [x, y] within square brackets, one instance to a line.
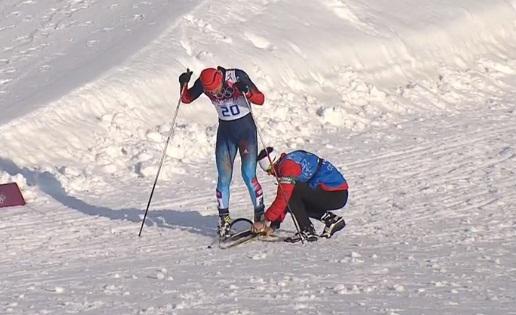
[10, 195]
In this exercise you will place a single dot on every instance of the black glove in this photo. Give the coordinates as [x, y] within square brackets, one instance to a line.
[184, 78]
[242, 87]
[275, 225]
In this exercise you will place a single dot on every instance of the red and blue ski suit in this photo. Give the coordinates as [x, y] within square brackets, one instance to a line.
[314, 182]
[236, 132]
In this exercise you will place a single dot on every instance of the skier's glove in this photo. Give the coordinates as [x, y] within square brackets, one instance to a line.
[242, 87]
[275, 225]
[261, 228]
[184, 78]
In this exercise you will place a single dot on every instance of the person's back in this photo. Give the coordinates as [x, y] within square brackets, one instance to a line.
[315, 171]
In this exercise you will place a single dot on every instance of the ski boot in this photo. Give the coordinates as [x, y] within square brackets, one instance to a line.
[332, 223]
[259, 215]
[308, 234]
[224, 228]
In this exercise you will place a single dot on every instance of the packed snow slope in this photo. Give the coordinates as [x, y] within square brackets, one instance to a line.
[414, 101]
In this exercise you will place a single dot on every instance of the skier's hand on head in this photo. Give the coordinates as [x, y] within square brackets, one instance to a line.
[242, 87]
[184, 78]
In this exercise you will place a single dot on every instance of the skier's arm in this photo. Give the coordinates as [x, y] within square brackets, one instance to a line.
[288, 170]
[253, 95]
[193, 93]
[278, 208]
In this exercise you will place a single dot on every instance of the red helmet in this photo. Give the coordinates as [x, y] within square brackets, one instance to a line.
[211, 79]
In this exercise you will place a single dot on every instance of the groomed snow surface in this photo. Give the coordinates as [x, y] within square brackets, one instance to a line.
[413, 101]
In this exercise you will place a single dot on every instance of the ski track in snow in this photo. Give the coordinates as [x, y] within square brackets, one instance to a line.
[431, 164]
[427, 231]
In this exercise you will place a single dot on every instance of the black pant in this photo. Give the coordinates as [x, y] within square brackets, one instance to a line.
[307, 203]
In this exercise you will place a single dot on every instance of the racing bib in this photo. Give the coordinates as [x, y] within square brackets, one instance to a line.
[230, 103]
[231, 109]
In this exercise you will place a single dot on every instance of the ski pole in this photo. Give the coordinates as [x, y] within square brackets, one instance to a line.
[171, 134]
[258, 129]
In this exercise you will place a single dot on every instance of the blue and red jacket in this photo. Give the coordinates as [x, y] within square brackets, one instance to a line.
[302, 167]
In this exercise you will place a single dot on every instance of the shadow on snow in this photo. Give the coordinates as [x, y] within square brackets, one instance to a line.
[190, 221]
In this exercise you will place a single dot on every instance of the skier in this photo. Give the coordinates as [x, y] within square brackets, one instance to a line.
[227, 90]
[310, 186]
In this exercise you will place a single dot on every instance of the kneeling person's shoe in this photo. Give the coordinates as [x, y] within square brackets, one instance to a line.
[332, 224]
[224, 228]
[306, 235]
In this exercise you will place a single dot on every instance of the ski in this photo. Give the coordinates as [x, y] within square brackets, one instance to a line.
[248, 236]
[237, 239]
[272, 238]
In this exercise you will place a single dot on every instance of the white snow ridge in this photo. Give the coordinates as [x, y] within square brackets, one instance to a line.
[413, 100]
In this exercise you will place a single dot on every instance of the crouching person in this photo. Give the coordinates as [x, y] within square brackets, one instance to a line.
[310, 186]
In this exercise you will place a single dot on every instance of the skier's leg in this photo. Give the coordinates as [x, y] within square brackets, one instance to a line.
[320, 202]
[297, 204]
[225, 153]
[248, 148]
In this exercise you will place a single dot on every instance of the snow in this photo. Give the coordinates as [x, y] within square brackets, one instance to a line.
[413, 101]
